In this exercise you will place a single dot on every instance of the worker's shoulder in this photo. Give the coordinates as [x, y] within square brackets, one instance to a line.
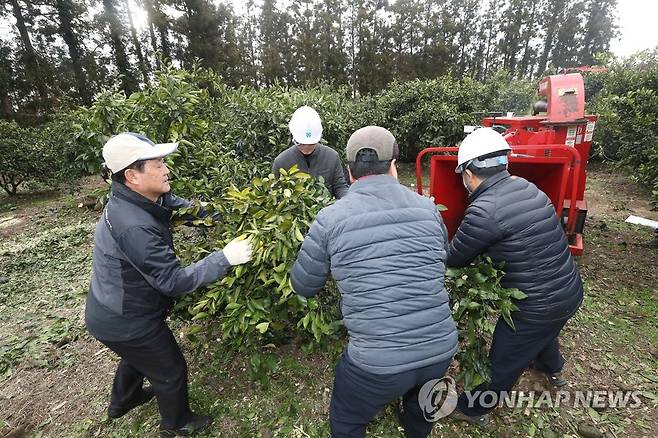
[126, 218]
[350, 205]
[327, 151]
[334, 211]
[421, 200]
[510, 197]
[357, 203]
[286, 155]
[520, 188]
[512, 185]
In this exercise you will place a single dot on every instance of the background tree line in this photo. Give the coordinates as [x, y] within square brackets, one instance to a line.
[56, 53]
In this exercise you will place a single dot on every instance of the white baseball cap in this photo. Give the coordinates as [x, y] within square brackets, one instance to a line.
[124, 149]
[305, 125]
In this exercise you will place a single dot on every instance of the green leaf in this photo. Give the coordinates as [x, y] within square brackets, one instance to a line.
[262, 327]
[200, 315]
[532, 430]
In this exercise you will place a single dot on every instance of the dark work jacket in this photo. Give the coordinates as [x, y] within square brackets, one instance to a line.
[514, 222]
[136, 273]
[323, 162]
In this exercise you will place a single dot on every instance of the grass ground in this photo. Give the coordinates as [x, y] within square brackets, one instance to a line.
[55, 379]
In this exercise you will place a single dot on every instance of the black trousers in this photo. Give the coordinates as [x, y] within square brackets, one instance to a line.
[510, 354]
[158, 358]
[359, 395]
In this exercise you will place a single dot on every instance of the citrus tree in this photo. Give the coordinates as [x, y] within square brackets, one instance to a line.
[255, 303]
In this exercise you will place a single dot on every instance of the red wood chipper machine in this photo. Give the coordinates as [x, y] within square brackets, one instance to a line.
[551, 150]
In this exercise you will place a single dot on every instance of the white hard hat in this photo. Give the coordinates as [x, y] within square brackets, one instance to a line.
[124, 149]
[305, 126]
[480, 142]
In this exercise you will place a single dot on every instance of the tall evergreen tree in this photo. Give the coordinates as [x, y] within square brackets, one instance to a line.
[66, 11]
[276, 44]
[7, 85]
[407, 37]
[248, 45]
[329, 31]
[528, 33]
[568, 41]
[552, 12]
[33, 68]
[486, 40]
[468, 17]
[137, 45]
[439, 30]
[305, 44]
[599, 29]
[150, 16]
[511, 33]
[368, 46]
[116, 30]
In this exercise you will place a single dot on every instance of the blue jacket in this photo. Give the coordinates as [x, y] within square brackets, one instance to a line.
[514, 222]
[386, 247]
[136, 274]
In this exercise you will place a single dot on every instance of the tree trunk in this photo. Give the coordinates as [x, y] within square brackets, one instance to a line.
[528, 36]
[138, 46]
[161, 26]
[116, 32]
[150, 13]
[7, 108]
[31, 56]
[550, 36]
[65, 14]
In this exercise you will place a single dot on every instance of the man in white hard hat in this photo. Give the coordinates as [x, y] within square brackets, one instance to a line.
[135, 278]
[512, 221]
[309, 155]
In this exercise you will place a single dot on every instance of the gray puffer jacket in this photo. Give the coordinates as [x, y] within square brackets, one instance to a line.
[514, 222]
[386, 248]
[136, 273]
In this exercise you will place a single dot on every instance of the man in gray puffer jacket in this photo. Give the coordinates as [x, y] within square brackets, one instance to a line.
[386, 248]
[514, 222]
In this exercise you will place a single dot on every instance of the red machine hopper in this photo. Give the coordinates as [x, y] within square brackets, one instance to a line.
[549, 150]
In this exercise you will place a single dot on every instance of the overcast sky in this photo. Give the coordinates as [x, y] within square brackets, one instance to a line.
[637, 26]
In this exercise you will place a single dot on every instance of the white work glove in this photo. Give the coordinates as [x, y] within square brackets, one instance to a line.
[238, 251]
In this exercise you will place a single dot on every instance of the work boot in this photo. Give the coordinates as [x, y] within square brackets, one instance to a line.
[478, 420]
[117, 412]
[196, 424]
[556, 379]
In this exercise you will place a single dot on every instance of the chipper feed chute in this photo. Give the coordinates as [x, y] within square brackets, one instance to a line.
[551, 150]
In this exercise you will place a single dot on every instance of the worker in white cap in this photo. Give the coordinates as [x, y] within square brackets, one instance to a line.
[513, 222]
[309, 155]
[135, 278]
